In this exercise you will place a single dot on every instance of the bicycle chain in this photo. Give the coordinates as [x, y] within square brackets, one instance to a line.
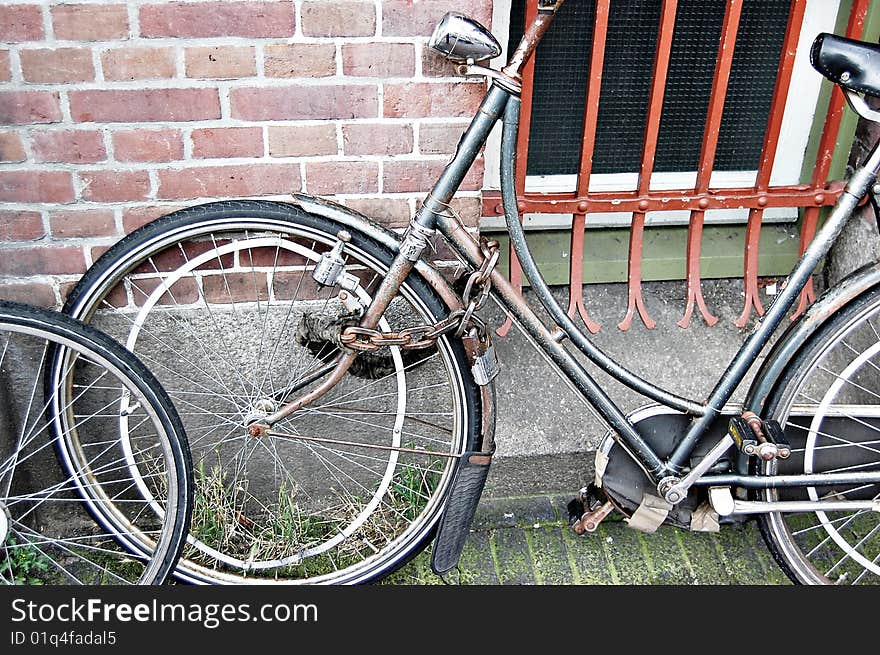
[424, 336]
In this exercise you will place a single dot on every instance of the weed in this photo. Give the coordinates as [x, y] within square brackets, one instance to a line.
[24, 565]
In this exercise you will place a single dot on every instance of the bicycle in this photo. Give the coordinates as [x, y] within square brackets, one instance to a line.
[85, 520]
[338, 390]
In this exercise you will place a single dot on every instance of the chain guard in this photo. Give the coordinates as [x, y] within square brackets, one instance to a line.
[625, 483]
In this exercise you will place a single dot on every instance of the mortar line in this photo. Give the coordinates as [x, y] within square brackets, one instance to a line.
[539, 578]
[566, 539]
[684, 554]
[612, 568]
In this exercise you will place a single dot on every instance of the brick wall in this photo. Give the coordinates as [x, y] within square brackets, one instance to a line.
[113, 113]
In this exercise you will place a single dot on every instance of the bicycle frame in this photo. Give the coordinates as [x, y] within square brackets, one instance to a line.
[502, 102]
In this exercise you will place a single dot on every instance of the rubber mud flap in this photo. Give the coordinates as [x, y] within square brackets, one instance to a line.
[470, 478]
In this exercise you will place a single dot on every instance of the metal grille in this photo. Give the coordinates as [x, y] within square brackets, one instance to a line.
[722, 126]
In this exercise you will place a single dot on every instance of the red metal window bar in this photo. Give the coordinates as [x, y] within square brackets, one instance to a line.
[810, 197]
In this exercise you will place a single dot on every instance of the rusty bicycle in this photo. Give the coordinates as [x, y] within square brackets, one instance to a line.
[338, 391]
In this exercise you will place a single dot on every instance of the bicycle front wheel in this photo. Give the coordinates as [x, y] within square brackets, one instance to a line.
[829, 403]
[219, 301]
[88, 523]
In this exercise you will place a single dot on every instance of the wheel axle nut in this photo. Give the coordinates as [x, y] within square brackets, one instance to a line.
[257, 430]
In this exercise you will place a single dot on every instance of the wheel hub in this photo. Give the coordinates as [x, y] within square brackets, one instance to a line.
[255, 418]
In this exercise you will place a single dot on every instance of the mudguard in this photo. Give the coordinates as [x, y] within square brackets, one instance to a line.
[784, 350]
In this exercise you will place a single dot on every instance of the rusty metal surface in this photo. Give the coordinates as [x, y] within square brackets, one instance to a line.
[649, 149]
[723, 65]
[810, 197]
[854, 29]
[591, 120]
[765, 167]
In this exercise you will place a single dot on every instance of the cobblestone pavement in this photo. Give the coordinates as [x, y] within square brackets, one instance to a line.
[528, 541]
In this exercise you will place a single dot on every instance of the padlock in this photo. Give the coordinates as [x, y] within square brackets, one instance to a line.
[485, 366]
[481, 351]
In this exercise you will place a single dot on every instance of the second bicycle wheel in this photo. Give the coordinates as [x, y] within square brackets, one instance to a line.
[88, 523]
[829, 403]
[218, 300]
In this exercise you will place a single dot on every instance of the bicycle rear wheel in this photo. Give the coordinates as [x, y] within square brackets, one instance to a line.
[219, 301]
[89, 523]
[829, 403]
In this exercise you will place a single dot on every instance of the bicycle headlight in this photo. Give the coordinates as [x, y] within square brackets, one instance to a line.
[460, 38]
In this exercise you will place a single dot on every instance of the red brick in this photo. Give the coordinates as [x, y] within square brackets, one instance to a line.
[184, 291]
[5, 67]
[24, 107]
[206, 19]
[440, 138]
[332, 18]
[426, 99]
[235, 287]
[21, 226]
[70, 146]
[144, 105]
[469, 210]
[62, 65]
[36, 186]
[331, 177]
[21, 23]
[391, 212]
[379, 60]
[34, 293]
[403, 176]
[290, 285]
[304, 102]
[227, 142]
[11, 147]
[173, 258]
[434, 65]
[220, 62]
[148, 145]
[115, 186]
[228, 181]
[138, 63]
[377, 139]
[302, 140]
[300, 60]
[43, 260]
[90, 22]
[408, 18]
[135, 217]
[78, 224]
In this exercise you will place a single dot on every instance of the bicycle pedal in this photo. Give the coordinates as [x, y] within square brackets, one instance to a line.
[590, 521]
[743, 435]
[756, 438]
[776, 435]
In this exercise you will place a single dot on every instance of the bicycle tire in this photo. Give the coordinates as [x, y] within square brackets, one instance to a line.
[210, 249]
[826, 401]
[53, 535]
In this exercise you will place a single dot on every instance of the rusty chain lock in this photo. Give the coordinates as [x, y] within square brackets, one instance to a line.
[460, 322]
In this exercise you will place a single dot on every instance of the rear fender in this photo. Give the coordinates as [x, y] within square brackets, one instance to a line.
[788, 345]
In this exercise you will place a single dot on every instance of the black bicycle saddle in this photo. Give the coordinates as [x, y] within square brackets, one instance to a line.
[852, 64]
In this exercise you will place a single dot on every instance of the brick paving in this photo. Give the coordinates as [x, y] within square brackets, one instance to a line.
[516, 541]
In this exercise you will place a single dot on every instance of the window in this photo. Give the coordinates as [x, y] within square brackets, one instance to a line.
[560, 90]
